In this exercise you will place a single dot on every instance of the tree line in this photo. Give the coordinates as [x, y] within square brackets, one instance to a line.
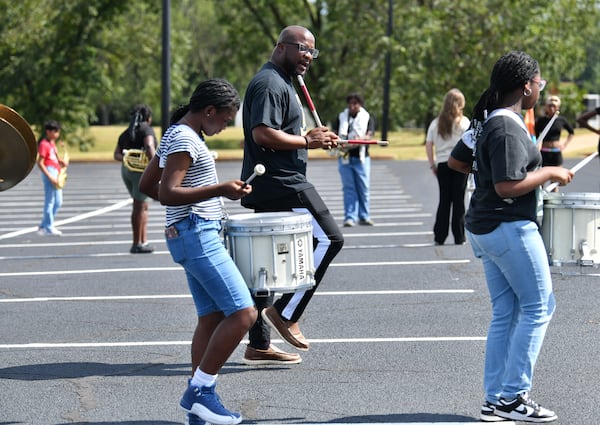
[87, 62]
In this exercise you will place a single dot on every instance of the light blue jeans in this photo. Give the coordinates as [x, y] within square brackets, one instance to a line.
[215, 282]
[518, 278]
[355, 183]
[53, 199]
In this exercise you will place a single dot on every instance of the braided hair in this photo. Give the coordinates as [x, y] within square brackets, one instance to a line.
[214, 92]
[510, 72]
[139, 114]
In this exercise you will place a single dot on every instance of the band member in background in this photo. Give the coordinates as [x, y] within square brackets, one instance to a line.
[189, 187]
[273, 136]
[443, 133]
[139, 135]
[552, 146]
[50, 164]
[354, 162]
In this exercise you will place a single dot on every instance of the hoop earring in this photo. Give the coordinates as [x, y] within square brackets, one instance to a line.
[527, 92]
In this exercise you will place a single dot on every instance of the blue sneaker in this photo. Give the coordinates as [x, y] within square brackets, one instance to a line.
[191, 419]
[206, 404]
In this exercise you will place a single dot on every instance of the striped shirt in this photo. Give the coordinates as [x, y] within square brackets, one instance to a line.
[202, 172]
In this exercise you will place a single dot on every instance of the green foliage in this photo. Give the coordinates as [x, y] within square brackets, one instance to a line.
[434, 46]
[90, 61]
[49, 58]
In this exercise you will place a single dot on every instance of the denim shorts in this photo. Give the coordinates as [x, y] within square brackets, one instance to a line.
[215, 282]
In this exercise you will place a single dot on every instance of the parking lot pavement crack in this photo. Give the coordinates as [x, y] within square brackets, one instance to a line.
[85, 391]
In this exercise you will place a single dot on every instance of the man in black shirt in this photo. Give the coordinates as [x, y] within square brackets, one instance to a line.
[274, 125]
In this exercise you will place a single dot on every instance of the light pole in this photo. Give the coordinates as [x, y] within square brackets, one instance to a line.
[388, 66]
[165, 99]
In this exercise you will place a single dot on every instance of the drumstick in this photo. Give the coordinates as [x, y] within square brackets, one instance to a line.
[364, 142]
[313, 110]
[259, 170]
[311, 105]
[576, 168]
[546, 129]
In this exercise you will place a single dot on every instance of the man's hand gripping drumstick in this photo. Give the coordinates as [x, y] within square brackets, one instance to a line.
[326, 138]
[313, 110]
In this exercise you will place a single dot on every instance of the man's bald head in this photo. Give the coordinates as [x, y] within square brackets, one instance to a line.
[294, 33]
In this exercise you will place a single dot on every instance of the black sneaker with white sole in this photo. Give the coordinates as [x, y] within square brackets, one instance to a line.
[488, 413]
[524, 409]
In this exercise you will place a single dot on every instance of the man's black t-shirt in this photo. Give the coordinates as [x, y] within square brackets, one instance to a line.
[271, 100]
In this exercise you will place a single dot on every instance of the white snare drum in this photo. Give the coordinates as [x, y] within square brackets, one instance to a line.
[273, 251]
[571, 228]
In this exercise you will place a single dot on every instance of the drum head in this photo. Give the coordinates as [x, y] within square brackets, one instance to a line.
[268, 223]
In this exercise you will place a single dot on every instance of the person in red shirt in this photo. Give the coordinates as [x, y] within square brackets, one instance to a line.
[50, 164]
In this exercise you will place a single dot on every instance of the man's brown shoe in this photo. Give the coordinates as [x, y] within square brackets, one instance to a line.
[295, 331]
[270, 356]
[282, 327]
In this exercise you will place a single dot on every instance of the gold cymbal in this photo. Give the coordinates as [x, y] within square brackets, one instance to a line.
[18, 148]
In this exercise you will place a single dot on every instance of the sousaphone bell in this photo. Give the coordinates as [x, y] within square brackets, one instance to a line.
[18, 149]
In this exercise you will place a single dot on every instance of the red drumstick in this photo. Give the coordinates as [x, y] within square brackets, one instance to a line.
[364, 142]
[311, 105]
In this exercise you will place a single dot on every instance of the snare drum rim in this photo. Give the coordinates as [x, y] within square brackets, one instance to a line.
[268, 223]
[573, 200]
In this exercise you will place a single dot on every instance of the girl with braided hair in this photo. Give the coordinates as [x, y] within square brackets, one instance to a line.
[182, 175]
[138, 135]
[503, 232]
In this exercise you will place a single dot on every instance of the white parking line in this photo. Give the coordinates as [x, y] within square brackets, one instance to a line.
[405, 423]
[176, 296]
[49, 345]
[79, 217]
[178, 268]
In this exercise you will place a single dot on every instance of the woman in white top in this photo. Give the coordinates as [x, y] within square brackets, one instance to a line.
[443, 133]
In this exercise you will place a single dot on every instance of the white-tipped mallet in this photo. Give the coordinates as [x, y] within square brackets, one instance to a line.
[259, 170]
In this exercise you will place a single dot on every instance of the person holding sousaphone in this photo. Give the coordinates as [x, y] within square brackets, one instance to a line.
[53, 175]
[135, 148]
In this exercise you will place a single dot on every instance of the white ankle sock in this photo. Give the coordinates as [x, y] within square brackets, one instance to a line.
[202, 379]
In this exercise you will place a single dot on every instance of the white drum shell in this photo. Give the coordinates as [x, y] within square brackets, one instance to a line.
[571, 228]
[273, 251]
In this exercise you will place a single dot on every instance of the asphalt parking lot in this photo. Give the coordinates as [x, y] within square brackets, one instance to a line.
[90, 334]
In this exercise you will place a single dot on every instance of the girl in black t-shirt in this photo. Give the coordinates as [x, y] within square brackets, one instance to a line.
[503, 232]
